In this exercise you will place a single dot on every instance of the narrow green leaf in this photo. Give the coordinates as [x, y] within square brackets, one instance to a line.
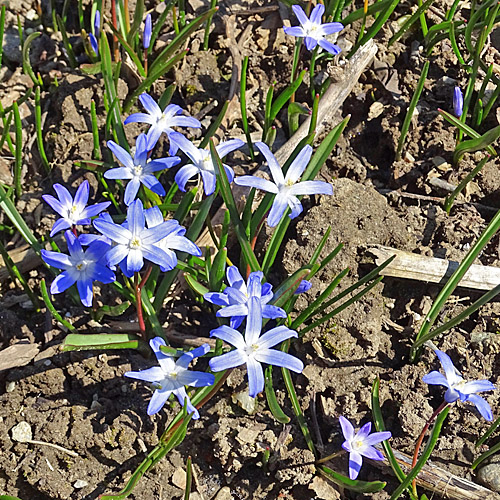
[410, 21]
[454, 280]
[130, 51]
[436, 430]
[39, 131]
[345, 482]
[26, 57]
[189, 479]
[66, 42]
[283, 98]
[494, 449]
[104, 341]
[227, 196]
[411, 108]
[378, 420]
[491, 429]
[272, 402]
[18, 165]
[51, 308]
[137, 21]
[478, 144]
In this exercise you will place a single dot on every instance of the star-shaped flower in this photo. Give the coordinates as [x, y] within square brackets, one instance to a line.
[73, 211]
[139, 170]
[360, 444]
[135, 242]
[254, 349]
[172, 376]
[202, 162]
[313, 30]
[80, 267]
[236, 297]
[458, 388]
[286, 188]
[161, 121]
[174, 240]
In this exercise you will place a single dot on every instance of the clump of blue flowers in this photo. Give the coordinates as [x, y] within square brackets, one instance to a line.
[172, 377]
[458, 388]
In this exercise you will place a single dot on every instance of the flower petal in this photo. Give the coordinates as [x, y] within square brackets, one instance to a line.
[477, 386]
[131, 191]
[279, 358]
[295, 31]
[82, 195]
[377, 437]
[311, 187]
[121, 154]
[278, 208]
[230, 336]
[184, 174]
[154, 374]
[56, 259]
[257, 183]
[255, 377]
[118, 173]
[84, 288]
[150, 105]
[274, 166]
[435, 378]
[299, 164]
[187, 357]
[254, 321]
[195, 378]
[482, 406]
[450, 371]
[62, 282]
[372, 453]
[115, 232]
[347, 428]
[135, 217]
[224, 148]
[317, 14]
[153, 184]
[64, 195]
[329, 47]
[233, 310]
[231, 359]
[276, 336]
[158, 399]
[355, 463]
[209, 182]
[59, 225]
[301, 15]
[184, 400]
[139, 118]
[330, 28]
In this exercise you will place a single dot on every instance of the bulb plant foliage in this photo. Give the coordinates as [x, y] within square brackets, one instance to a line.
[139, 242]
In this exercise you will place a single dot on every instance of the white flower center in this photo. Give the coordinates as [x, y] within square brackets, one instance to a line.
[135, 243]
[206, 163]
[357, 444]
[250, 350]
[459, 385]
[137, 170]
[73, 214]
[289, 183]
[312, 29]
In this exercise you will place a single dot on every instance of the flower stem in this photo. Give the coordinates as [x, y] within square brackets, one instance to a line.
[329, 457]
[431, 419]
[139, 285]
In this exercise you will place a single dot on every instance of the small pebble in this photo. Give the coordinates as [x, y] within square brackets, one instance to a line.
[80, 483]
[10, 386]
[22, 432]
[489, 476]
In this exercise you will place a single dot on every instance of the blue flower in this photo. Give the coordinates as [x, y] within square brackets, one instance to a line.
[135, 242]
[95, 35]
[138, 169]
[286, 188]
[82, 267]
[161, 121]
[146, 35]
[303, 287]
[254, 349]
[236, 297]
[458, 102]
[313, 31]
[174, 239]
[172, 377]
[202, 162]
[458, 388]
[360, 445]
[73, 211]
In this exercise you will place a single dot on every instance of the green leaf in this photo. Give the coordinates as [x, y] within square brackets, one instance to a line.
[488, 433]
[227, 196]
[117, 310]
[454, 280]
[436, 430]
[410, 21]
[189, 479]
[272, 402]
[283, 98]
[179, 40]
[26, 57]
[494, 449]
[378, 420]
[358, 486]
[196, 286]
[130, 51]
[471, 145]
[104, 341]
[52, 309]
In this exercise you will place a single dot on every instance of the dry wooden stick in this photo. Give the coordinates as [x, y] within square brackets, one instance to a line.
[440, 481]
[421, 268]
